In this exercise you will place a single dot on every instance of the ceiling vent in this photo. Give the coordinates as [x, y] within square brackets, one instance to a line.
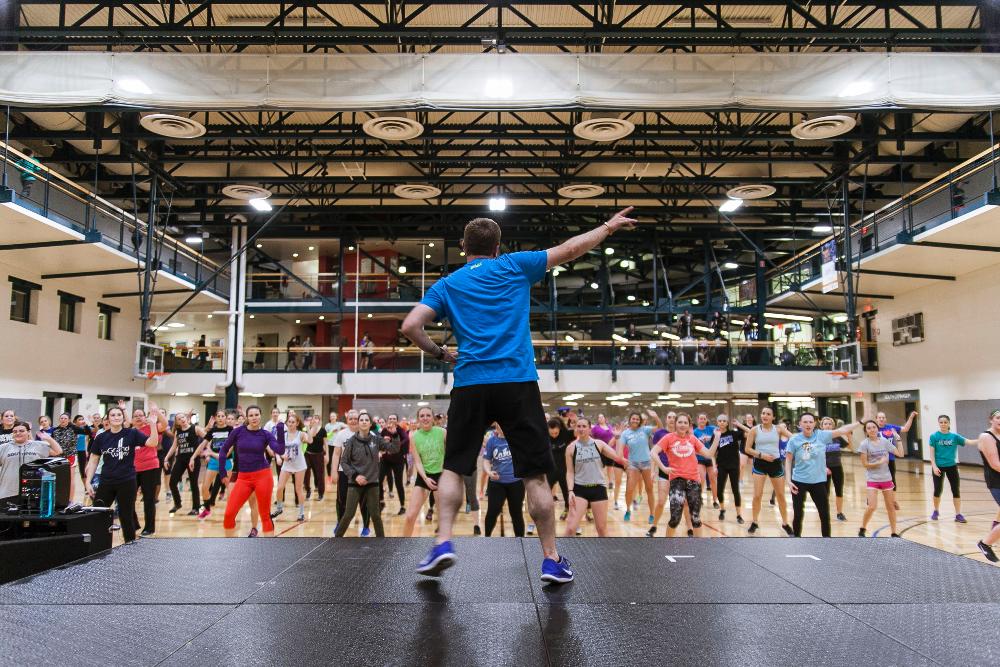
[581, 191]
[416, 191]
[393, 128]
[757, 191]
[824, 127]
[247, 192]
[603, 129]
[175, 127]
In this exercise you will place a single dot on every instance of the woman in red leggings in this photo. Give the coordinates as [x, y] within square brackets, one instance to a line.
[251, 443]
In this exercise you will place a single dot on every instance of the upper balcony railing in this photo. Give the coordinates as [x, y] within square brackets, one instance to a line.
[63, 201]
[687, 354]
[956, 192]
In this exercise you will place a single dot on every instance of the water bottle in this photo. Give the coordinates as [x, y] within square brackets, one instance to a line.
[47, 497]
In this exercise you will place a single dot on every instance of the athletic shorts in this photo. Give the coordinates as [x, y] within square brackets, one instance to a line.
[72, 459]
[702, 461]
[592, 493]
[882, 486]
[640, 465]
[996, 495]
[213, 465]
[663, 476]
[517, 407]
[772, 469]
[422, 484]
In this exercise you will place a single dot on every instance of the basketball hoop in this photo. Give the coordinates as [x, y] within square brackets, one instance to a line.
[158, 378]
[840, 375]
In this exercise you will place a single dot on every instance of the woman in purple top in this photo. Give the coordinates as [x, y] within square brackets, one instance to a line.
[251, 443]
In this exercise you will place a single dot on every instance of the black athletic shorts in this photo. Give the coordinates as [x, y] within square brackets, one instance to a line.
[517, 407]
[592, 493]
[422, 484]
[663, 476]
[772, 469]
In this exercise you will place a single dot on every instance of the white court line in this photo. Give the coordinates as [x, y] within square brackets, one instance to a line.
[802, 556]
[673, 559]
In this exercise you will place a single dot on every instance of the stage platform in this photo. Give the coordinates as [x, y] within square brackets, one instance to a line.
[636, 601]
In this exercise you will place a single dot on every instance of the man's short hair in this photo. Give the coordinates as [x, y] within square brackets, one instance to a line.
[481, 237]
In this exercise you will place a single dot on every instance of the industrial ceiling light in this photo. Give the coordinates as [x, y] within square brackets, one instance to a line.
[245, 192]
[393, 128]
[609, 251]
[730, 205]
[824, 127]
[260, 204]
[581, 191]
[603, 129]
[498, 204]
[730, 265]
[190, 240]
[822, 229]
[416, 191]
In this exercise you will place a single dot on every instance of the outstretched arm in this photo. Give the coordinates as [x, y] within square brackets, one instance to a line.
[575, 247]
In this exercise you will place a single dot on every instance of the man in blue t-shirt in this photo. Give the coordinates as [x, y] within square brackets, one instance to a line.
[892, 432]
[487, 302]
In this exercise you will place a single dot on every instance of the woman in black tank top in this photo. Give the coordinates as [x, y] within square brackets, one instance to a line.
[989, 450]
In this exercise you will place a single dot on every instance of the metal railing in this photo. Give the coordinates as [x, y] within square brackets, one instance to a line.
[955, 192]
[63, 201]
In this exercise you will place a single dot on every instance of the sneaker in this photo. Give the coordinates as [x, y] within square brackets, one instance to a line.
[197, 513]
[169, 496]
[319, 498]
[651, 532]
[987, 551]
[253, 532]
[841, 517]
[788, 530]
[753, 528]
[690, 532]
[277, 512]
[430, 516]
[147, 533]
[894, 535]
[173, 510]
[556, 573]
[579, 532]
[115, 526]
[203, 514]
[302, 516]
[476, 530]
[309, 494]
[440, 558]
[531, 529]
[366, 532]
[651, 519]
[739, 519]
[618, 506]
[722, 515]
[628, 515]
[960, 519]
[934, 515]
[771, 501]
[715, 504]
[590, 515]
[401, 512]
[861, 532]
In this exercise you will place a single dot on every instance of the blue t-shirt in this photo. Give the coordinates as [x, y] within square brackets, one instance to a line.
[887, 432]
[946, 448]
[809, 462]
[487, 302]
[498, 454]
[638, 443]
[705, 435]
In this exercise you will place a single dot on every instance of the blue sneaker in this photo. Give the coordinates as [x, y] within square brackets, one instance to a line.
[366, 532]
[440, 558]
[628, 515]
[556, 573]
[651, 519]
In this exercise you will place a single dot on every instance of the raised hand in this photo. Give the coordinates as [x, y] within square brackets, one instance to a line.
[620, 220]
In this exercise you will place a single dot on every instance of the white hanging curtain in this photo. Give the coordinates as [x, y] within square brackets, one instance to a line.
[786, 82]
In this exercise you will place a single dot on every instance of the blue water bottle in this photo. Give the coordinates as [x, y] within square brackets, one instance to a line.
[47, 497]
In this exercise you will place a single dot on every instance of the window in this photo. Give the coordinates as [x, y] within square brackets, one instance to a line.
[104, 318]
[20, 300]
[68, 320]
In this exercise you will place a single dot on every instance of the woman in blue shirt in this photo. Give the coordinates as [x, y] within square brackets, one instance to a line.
[638, 439]
[709, 474]
[805, 468]
[503, 486]
[945, 464]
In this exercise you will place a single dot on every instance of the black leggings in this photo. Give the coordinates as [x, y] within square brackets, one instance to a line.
[818, 492]
[837, 477]
[81, 464]
[314, 468]
[951, 472]
[148, 481]
[124, 492]
[559, 477]
[513, 495]
[733, 474]
[177, 473]
[214, 491]
[394, 471]
[892, 470]
[342, 500]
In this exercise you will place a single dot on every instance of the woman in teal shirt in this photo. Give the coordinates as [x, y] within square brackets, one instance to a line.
[638, 439]
[945, 464]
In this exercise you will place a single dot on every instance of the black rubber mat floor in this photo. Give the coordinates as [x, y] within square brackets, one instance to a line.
[635, 602]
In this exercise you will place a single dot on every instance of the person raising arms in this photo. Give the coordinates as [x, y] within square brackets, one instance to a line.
[682, 449]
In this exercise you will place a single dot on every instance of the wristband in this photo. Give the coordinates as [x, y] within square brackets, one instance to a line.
[610, 231]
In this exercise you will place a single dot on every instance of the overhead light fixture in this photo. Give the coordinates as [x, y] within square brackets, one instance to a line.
[730, 205]
[208, 395]
[498, 204]
[176, 325]
[192, 240]
[670, 336]
[440, 324]
[322, 317]
[645, 303]
[698, 327]
[627, 264]
[461, 254]
[822, 229]
[181, 393]
[427, 256]
[350, 248]
[133, 85]
[260, 245]
[594, 285]
[619, 338]
[839, 319]
[630, 297]
[401, 269]
[609, 251]
[261, 204]
[369, 315]
[298, 321]
[295, 254]
[730, 265]
[695, 302]
[252, 316]
[791, 318]
[312, 247]
[431, 244]
[569, 339]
